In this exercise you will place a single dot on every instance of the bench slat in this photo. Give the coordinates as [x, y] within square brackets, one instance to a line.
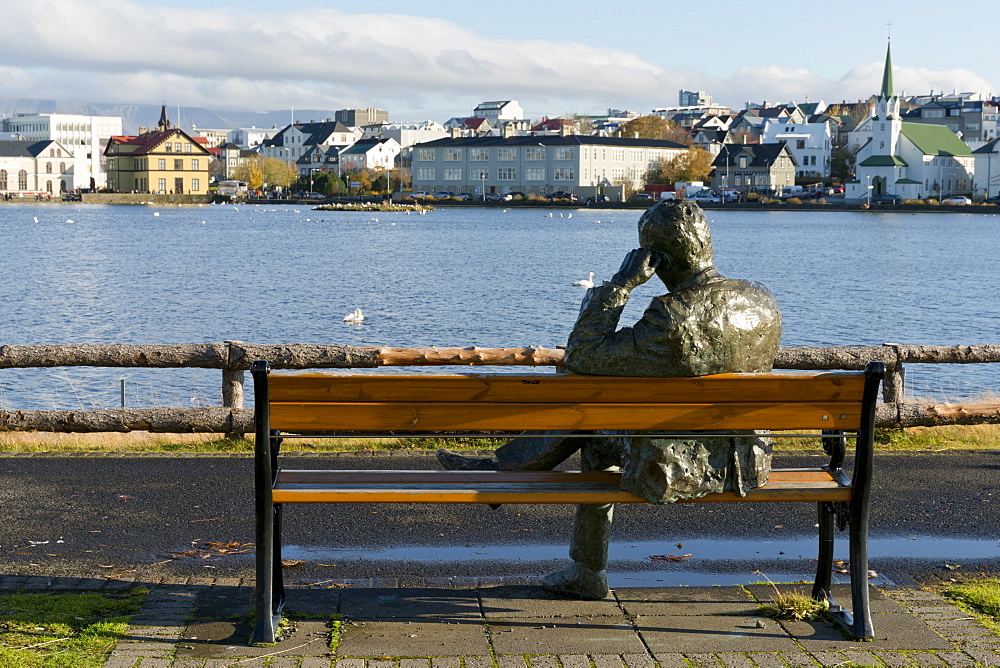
[558, 487]
[460, 416]
[567, 388]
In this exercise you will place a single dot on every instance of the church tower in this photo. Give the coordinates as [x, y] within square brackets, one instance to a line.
[886, 123]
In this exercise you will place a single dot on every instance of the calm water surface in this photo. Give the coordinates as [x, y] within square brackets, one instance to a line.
[453, 277]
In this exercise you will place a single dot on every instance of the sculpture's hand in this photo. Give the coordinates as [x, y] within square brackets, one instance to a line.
[637, 268]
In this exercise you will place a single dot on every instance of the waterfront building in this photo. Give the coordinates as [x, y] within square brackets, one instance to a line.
[165, 160]
[763, 168]
[373, 153]
[406, 134]
[213, 137]
[84, 136]
[296, 140]
[30, 168]
[908, 160]
[987, 174]
[583, 165]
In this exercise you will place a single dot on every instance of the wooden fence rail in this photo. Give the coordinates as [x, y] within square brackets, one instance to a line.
[234, 357]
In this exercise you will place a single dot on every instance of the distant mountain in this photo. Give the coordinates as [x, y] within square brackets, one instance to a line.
[146, 115]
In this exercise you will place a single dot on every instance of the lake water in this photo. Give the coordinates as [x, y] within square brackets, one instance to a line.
[454, 277]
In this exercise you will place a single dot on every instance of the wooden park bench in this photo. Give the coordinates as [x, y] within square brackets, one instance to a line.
[838, 405]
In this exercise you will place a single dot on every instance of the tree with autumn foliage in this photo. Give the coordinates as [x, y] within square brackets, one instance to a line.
[655, 127]
[693, 164]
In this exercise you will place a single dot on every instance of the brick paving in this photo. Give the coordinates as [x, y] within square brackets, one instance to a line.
[183, 625]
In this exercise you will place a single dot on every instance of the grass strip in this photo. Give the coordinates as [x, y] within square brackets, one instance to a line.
[980, 598]
[913, 439]
[72, 630]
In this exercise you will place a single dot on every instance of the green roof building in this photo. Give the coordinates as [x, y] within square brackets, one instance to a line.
[909, 160]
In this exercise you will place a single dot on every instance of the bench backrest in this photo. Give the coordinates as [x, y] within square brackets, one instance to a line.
[317, 403]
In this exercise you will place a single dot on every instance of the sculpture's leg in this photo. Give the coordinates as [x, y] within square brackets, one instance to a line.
[587, 576]
[543, 453]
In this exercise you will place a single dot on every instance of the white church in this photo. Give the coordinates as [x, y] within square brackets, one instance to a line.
[911, 160]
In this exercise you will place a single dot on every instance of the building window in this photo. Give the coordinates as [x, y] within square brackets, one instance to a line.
[479, 154]
[22, 180]
[3, 179]
[617, 155]
[187, 148]
[425, 173]
[534, 174]
[506, 154]
[168, 147]
[452, 154]
[48, 187]
[743, 161]
[480, 173]
[506, 173]
[195, 164]
[534, 153]
[178, 165]
[195, 185]
[62, 167]
[564, 174]
[425, 154]
[564, 154]
[177, 147]
[161, 164]
[452, 174]
[163, 186]
[48, 168]
[800, 143]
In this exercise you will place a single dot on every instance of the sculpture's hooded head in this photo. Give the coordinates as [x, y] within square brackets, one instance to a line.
[678, 232]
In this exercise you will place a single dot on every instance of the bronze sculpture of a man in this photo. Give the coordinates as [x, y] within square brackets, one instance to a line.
[706, 324]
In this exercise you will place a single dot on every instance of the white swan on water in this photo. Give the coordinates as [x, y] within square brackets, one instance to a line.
[586, 282]
[354, 316]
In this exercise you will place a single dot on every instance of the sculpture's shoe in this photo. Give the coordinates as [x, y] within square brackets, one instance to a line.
[578, 581]
[455, 462]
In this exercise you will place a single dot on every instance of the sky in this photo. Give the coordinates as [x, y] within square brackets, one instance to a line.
[437, 59]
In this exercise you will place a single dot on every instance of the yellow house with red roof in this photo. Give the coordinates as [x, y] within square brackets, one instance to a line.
[164, 161]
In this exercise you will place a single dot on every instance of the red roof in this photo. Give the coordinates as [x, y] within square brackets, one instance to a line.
[149, 141]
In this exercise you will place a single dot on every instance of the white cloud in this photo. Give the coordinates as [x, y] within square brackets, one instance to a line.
[65, 49]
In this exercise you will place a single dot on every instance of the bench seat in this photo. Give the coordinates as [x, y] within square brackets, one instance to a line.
[318, 486]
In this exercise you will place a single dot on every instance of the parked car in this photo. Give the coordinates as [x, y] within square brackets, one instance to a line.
[641, 197]
[498, 197]
[422, 195]
[887, 198]
[315, 196]
[463, 196]
[957, 200]
[593, 199]
[443, 194]
[705, 196]
[562, 195]
[992, 200]
[837, 189]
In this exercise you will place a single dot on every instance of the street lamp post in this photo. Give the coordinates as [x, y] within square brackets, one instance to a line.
[869, 189]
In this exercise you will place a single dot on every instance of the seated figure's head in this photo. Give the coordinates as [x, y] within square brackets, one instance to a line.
[677, 231]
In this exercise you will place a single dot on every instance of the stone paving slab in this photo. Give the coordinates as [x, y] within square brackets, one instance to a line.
[692, 634]
[672, 601]
[564, 635]
[413, 638]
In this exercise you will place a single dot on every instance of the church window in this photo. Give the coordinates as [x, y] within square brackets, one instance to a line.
[883, 127]
[881, 144]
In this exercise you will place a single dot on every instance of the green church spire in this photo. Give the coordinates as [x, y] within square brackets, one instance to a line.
[887, 74]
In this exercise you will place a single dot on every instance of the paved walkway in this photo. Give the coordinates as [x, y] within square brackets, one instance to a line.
[510, 623]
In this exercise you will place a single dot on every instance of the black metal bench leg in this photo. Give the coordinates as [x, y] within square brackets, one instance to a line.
[278, 581]
[824, 566]
[858, 531]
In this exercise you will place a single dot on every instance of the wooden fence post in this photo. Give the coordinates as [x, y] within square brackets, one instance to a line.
[232, 388]
[893, 383]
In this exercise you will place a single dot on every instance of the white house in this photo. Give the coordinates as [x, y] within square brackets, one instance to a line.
[83, 136]
[250, 137]
[987, 176]
[910, 160]
[809, 143]
[499, 111]
[407, 134]
[373, 153]
[30, 168]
